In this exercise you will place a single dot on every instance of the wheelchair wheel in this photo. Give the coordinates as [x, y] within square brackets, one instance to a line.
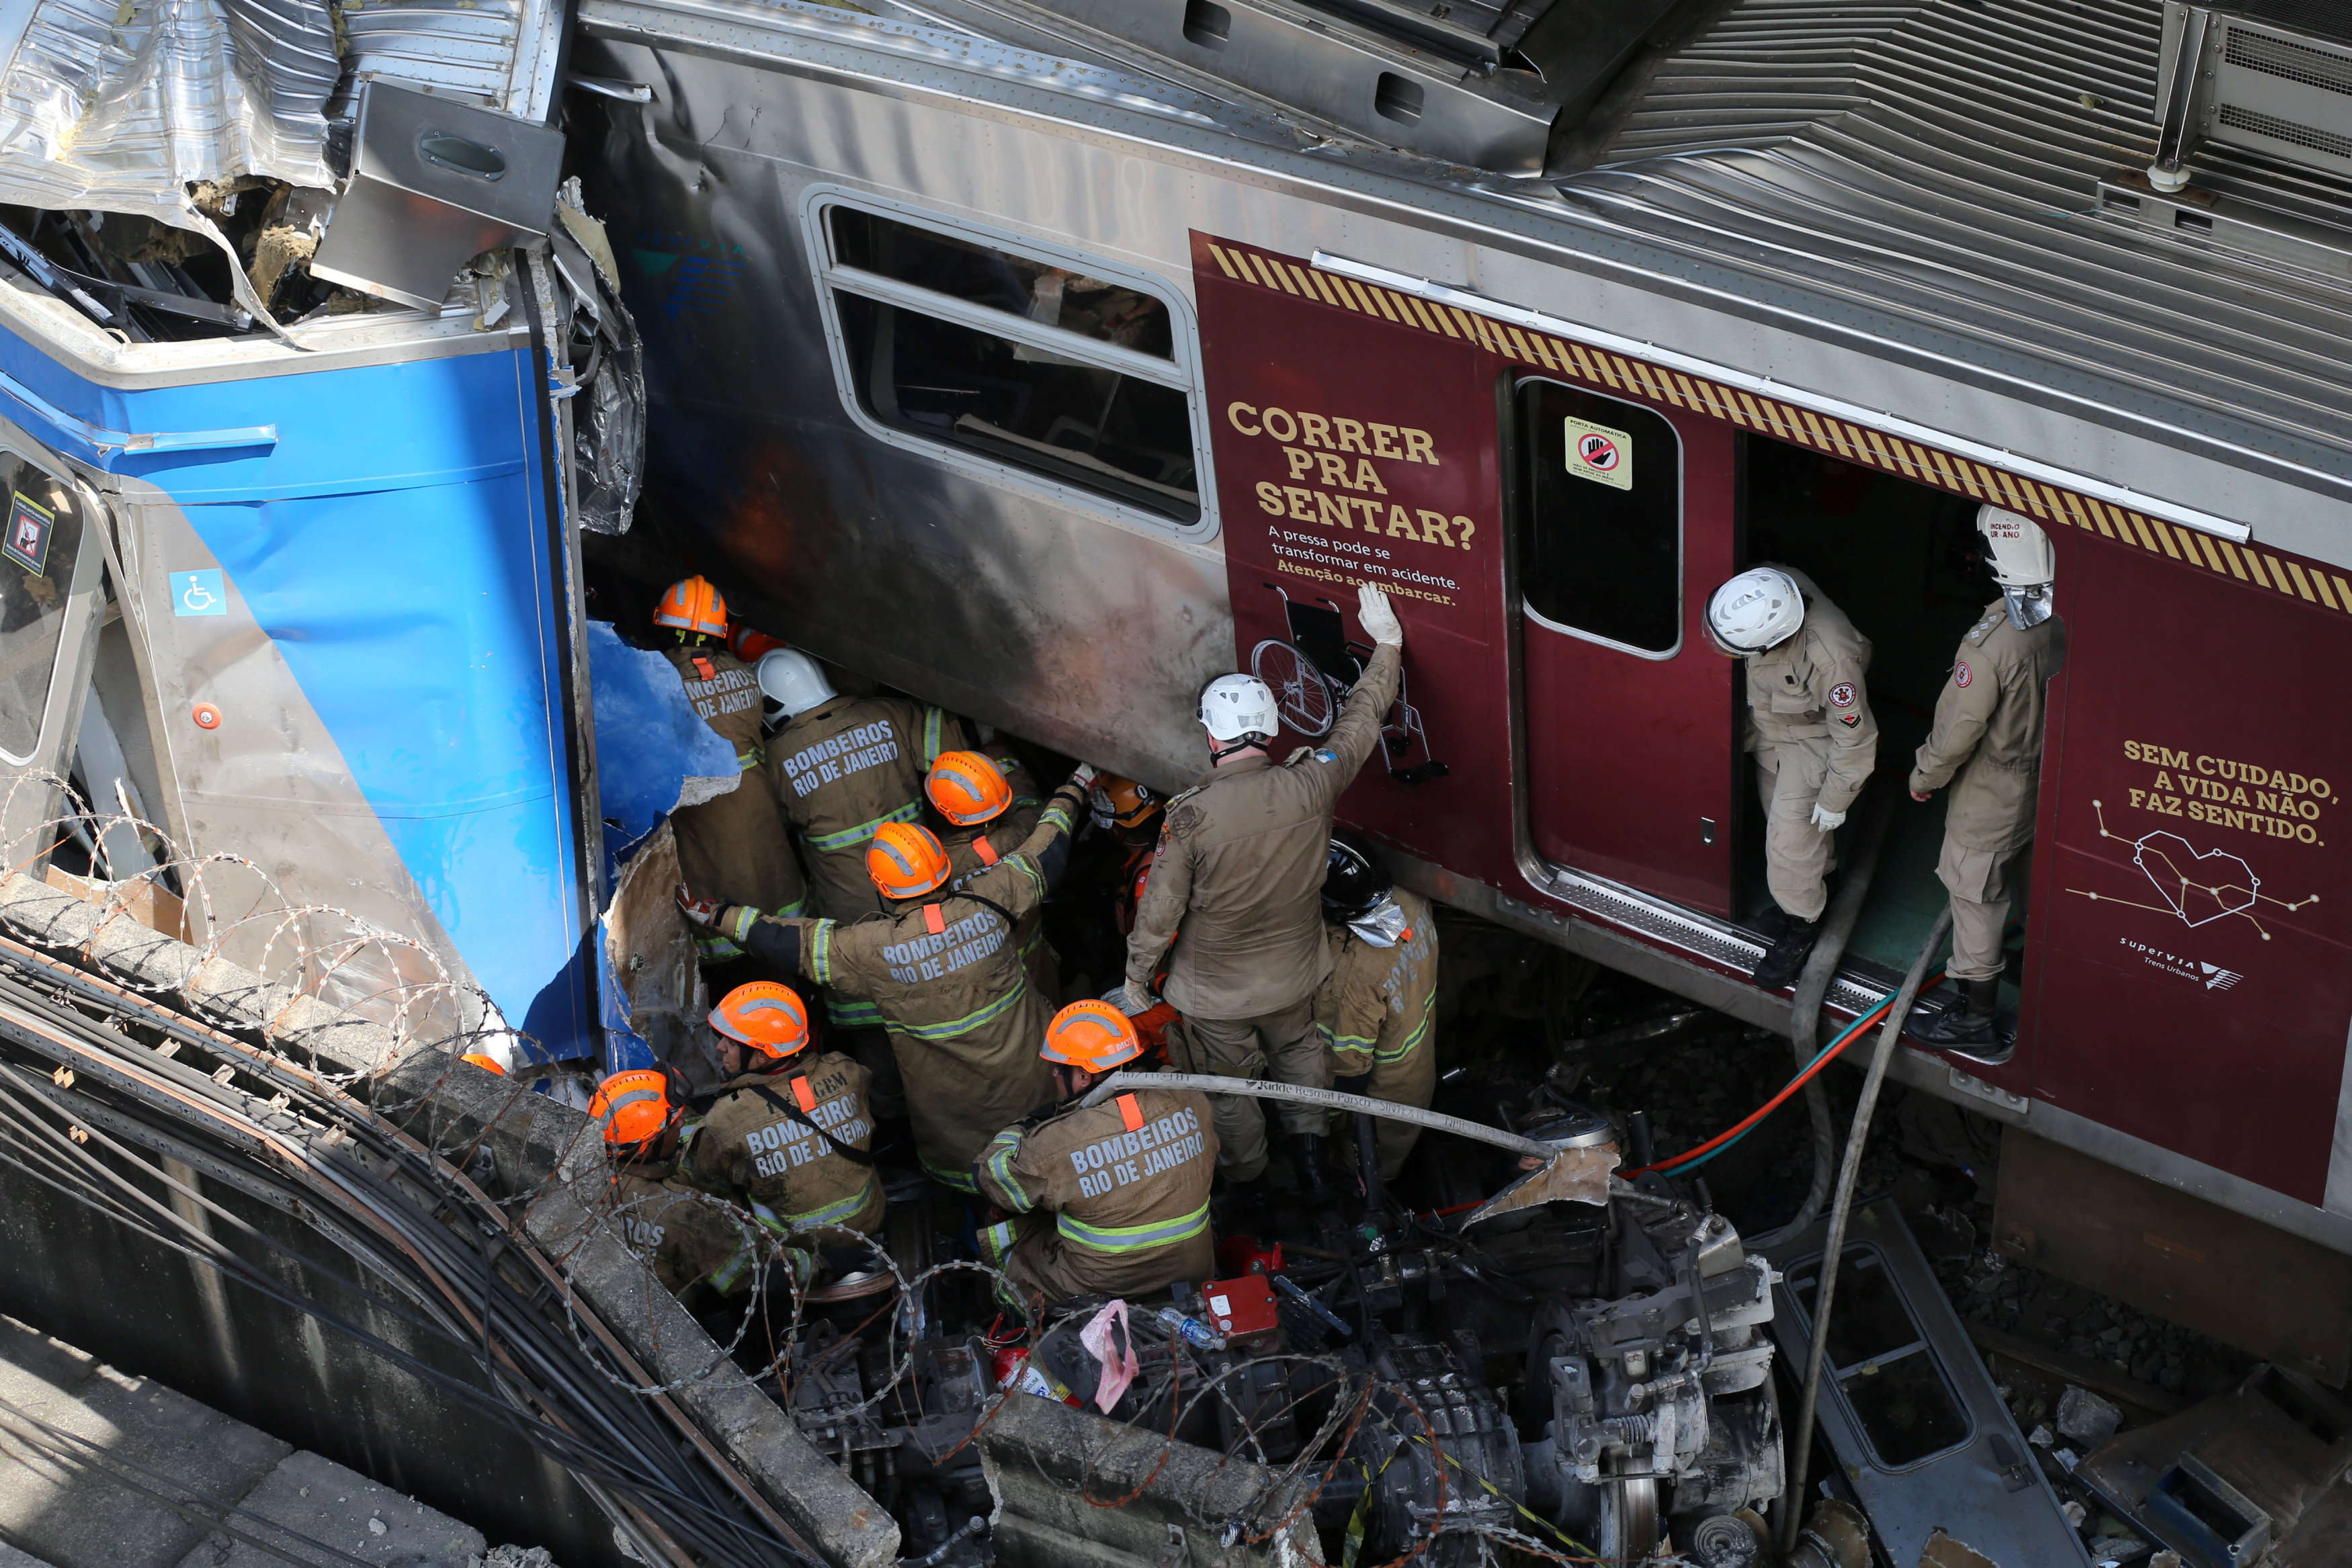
[1301, 692]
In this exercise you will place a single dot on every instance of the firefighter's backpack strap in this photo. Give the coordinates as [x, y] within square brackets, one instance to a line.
[1130, 1112]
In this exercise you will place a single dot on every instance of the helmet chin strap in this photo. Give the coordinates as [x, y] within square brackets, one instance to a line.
[1219, 750]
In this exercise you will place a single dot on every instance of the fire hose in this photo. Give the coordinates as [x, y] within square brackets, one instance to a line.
[1573, 1174]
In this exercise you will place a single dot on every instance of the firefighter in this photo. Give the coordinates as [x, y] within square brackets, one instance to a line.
[841, 767]
[790, 1138]
[680, 1230]
[1374, 1012]
[1111, 1200]
[944, 970]
[1235, 885]
[1809, 726]
[1131, 813]
[990, 805]
[1986, 746]
[733, 844]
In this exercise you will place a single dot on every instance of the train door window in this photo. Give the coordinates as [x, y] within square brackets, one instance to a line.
[1602, 540]
[1883, 1365]
[40, 541]
[1016, 359]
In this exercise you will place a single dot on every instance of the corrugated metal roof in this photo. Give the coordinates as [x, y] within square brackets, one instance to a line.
[1941, 159]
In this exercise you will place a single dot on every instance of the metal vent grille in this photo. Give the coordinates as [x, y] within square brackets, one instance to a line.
[2295, 62]
[2271, 125]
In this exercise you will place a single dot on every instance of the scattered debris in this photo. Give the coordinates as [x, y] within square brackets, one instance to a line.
[2087, 1418]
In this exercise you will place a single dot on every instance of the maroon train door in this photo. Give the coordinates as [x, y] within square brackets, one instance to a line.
[1625, 520]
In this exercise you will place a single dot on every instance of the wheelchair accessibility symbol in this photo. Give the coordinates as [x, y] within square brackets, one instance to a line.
[199, 593]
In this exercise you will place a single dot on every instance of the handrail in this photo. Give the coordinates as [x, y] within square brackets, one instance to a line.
[104, 442]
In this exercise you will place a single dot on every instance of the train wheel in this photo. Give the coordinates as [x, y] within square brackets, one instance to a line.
[1300, 692]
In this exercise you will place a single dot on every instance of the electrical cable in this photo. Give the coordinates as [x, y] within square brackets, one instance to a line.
[544, 1385]
[1693, 1158]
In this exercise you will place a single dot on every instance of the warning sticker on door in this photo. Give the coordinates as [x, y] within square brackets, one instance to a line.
[27, 540]
[1600, 454]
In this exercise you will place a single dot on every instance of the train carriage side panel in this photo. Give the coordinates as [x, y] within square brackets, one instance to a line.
[1352, 451]
[2192, 891]
[354, 647]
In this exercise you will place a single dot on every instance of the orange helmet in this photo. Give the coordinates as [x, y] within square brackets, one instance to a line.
[632, 1106]
[1122, 803]
[967, 788]
[906, 861]
[769, 1017]
[1093, 1035]
[748, 643]
[693, 605]
[487, 1063]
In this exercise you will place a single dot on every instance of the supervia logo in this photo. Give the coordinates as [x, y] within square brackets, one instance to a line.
[2218, 978]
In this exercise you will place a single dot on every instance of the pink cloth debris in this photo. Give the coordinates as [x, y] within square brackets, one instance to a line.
[1115, 1352]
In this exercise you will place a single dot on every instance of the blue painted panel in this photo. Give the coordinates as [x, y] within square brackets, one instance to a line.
[419, 621]
[371, 427]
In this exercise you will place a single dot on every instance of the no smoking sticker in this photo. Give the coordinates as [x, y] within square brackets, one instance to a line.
[1600, 454]
[26, 541]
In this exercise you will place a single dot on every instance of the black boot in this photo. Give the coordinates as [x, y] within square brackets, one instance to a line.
[1307, 1158]
[1786, 957]
[1967, 1029]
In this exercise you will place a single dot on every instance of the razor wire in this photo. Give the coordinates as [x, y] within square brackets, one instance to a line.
[313, 951]
[235, 911]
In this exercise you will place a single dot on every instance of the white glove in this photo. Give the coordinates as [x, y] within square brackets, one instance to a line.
[1083, 776]
[1134, 999]
[1380, 621]
[1826, 820]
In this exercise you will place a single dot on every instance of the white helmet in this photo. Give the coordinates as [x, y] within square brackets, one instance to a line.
[1759, 609]
[2024, 563]
[1238, 707]
[792, 683]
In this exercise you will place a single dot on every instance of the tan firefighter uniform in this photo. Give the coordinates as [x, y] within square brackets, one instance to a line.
[1987, 744]
[772, 1139]
[1110, 1201]
[971, 850]
[1815, 740]
[841, 770]
[733, 847]
[683, 1234]
[1374, 1013]
[945, 977]
[1236, 884]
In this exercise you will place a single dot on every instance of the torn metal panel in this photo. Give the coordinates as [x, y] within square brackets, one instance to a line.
[434, 183]
[2278, 1444]
[120, 108]
[1923, 1435]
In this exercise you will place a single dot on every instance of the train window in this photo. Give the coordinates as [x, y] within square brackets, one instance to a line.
[1601, 533]
[39, 540]
[1883, 1365]
[1017, 284]
[1016, 359]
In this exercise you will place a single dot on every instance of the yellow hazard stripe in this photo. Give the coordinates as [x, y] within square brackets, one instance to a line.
[2304, 581]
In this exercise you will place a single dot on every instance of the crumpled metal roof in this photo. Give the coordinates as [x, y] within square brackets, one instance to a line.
[1941, 158]
[119, 107]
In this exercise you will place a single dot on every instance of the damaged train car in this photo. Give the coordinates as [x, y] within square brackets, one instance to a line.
[1041, 358]
[1044, 358]
[307, 352]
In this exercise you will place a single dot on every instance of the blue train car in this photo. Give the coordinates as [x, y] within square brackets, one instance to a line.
[310, 599]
